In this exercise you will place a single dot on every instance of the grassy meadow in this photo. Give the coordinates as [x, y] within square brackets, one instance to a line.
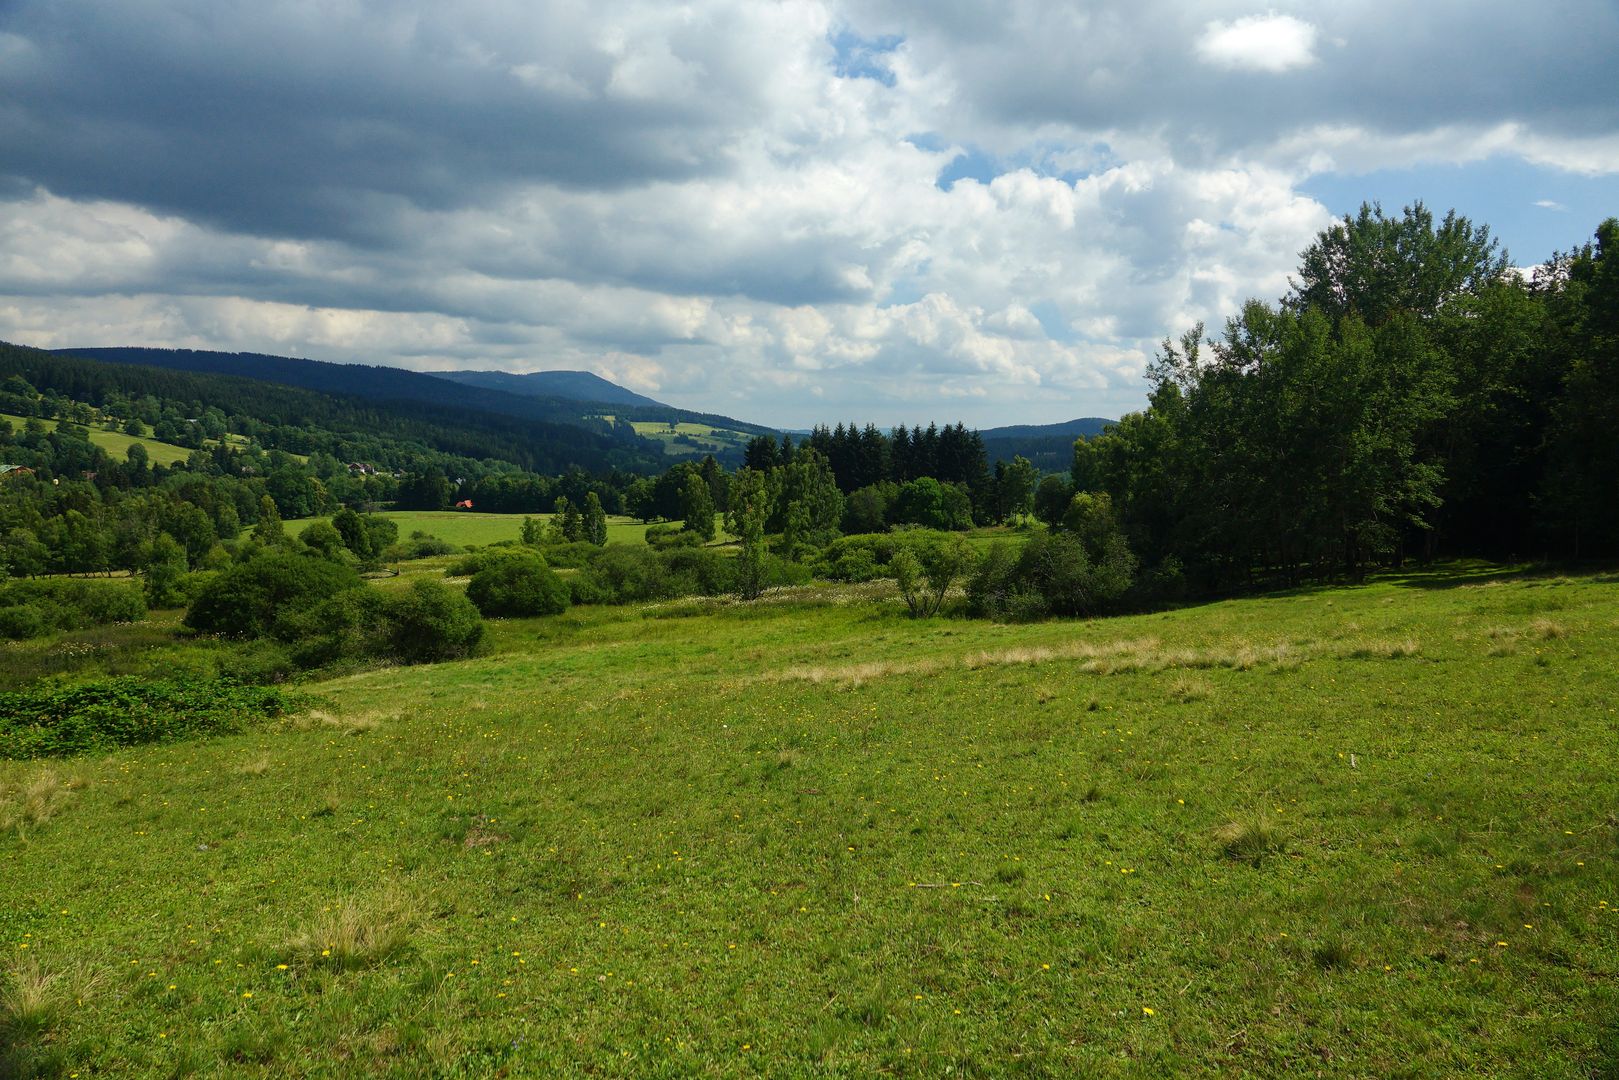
[468, 528]
[1358, 832]
[116, 443]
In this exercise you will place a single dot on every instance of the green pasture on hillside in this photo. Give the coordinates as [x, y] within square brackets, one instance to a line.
[706, 436]
[469, 527]
[1350, 832]
[116, 443]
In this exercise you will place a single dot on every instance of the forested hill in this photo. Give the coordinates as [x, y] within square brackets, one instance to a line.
[572, 385]
[355, 380]
[520, 434]
[594, 394]
[1050, 447]
[531, 400]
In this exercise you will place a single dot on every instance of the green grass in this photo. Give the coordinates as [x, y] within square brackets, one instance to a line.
[1357, 832]
[706, 436]
[116, 443]
[468, 528]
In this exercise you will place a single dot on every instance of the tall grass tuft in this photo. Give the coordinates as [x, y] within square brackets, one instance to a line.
[354, 934]
[1250, 839]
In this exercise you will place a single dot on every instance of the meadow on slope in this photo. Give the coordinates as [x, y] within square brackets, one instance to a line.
[1363, 831]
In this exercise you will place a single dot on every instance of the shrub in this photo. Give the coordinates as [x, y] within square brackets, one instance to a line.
[248, 598]
[521, 585]
[431, 621]
[664, 537]
[21, 621]
[323, 539]
[128, 711]
[475, 562]
[627, 574]
[1063, 572]
[927, 502]
[699, 571]
[419, 546]
[571, 556]
[71, 604]
[925, 573]
[349, 625]
[622, 574]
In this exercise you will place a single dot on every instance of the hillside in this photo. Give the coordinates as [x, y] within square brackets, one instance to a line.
[1049, 446]
[391, 426]
[116, 443]
[609, 400]
[572, 385]
[1360, 831]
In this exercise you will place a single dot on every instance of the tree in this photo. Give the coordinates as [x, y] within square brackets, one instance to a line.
[568, 521]
[1051, 499]
[808, 505]
[268, 530]
[595, 520]
[1015, 487]
[748, 506]
[1375, 266]
[697, 506]
[353, 533]
[164, 568]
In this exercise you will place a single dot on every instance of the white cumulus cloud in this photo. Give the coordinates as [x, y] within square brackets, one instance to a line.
[1271, 43]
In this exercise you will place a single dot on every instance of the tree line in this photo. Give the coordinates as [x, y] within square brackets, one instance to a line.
[1411, 396]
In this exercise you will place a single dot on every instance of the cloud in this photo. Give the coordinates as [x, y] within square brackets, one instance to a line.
[1268, 43]
[1549, 204]
[790, 211]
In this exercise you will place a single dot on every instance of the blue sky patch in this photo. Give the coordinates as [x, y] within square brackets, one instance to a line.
[1531, 209]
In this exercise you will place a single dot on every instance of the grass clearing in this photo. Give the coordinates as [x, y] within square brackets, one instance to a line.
[116, 443]
[1260, 837]
[469, 528]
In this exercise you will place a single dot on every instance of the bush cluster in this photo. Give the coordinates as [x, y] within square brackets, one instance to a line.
[35, 607]
[1055, 574]
[518, 585]
[323, 612]
[128, 711]
[425, 623]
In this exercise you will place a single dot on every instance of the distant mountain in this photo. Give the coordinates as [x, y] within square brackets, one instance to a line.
[398, 386]
[1050, 447]
[573, 385]
[356, 421]
[1070, 429]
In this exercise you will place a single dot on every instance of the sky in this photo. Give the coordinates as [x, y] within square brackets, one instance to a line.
[789, 211]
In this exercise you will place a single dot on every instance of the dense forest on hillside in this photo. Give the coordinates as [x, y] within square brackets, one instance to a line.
[510, 397]
[301, 421]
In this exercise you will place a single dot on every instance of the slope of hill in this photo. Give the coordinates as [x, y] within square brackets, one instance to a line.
[571, 385]
[1340, 831]
[530, 441]
[1069, 429]
[353, 380]
[619, 403]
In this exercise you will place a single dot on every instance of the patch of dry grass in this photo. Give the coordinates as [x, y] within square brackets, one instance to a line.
[32, 802]
[356, 933]
[1187, 687]
[356, 724]
[1250, 839]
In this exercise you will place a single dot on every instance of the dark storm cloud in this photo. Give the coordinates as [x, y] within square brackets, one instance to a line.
[327, 120]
